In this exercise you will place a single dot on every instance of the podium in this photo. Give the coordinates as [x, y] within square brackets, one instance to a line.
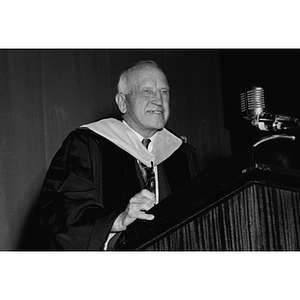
[250, 202]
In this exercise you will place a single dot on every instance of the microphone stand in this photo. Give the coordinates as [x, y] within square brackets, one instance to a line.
[267, 122]
[274, 137]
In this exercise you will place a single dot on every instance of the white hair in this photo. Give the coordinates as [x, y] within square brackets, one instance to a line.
[124, 84]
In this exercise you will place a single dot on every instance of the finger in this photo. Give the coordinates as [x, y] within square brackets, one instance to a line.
[144, 196]
[140, 206]
[144, 216]
[146, 193]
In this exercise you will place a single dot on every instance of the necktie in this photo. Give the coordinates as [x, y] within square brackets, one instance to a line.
[146, 142]
[148, 172]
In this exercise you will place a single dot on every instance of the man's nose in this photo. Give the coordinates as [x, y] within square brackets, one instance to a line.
[157, 98]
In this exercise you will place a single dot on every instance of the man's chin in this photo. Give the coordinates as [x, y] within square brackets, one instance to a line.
[159, 126]
[157, 122]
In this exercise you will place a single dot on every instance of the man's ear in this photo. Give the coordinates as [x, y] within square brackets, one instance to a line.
[121, 102]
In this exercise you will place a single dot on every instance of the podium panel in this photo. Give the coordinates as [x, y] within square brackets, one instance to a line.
[259, 218]
[250, 202]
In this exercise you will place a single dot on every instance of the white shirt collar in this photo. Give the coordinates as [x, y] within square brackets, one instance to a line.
[150, 148]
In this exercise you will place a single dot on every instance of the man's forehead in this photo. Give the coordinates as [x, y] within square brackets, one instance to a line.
[149, 75]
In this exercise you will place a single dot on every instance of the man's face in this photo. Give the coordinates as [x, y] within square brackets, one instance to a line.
[147, 106]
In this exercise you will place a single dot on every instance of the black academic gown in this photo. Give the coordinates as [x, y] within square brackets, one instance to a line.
[90, 182]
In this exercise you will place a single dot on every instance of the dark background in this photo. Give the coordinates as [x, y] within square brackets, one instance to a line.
[277, 71]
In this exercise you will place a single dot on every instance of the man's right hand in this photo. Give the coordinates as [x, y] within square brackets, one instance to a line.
[136, 209]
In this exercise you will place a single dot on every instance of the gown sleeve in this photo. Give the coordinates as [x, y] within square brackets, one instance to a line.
[73, 216]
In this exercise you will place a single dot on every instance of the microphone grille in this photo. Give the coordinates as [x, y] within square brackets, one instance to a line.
[252, 102]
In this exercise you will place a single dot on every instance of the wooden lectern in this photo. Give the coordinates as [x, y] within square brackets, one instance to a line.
[250, 202]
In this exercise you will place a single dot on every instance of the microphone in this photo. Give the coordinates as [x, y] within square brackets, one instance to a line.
[252, 102]
[254, 108]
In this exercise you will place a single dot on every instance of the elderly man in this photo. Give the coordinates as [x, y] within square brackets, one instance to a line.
[109, 173]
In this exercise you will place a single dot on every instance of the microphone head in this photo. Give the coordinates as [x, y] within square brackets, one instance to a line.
[252, 102]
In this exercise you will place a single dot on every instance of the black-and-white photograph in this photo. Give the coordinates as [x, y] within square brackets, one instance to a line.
[150, 149]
